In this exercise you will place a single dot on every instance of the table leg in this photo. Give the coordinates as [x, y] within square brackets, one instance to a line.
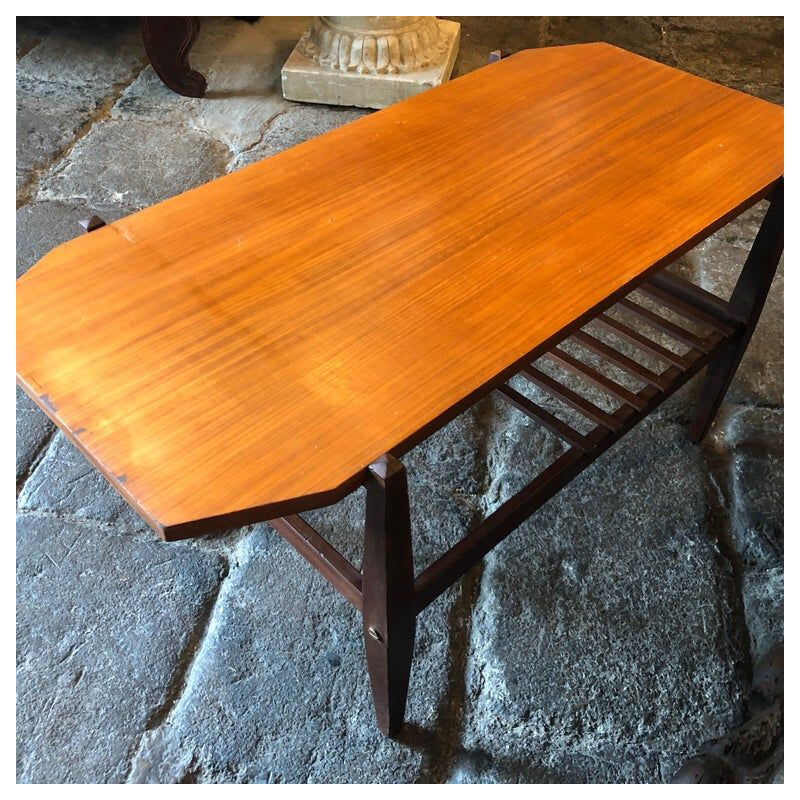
[388, 591]
[746, 304]
[167, 41]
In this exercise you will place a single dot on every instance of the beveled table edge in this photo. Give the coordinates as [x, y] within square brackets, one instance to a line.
[296, 505]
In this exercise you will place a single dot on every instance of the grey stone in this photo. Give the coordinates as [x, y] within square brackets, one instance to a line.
[98, 59]
[601, 648]
[762, 592]
[135, 164]
[105, 625]
[602, 641]
[757, 486]
[756, 427]
[276, 35]
[49, 119]
[54, 98]
[45, 225]
[294, 126]
[147, 98]
[41, 227]
[717, 264]
[750, 441]
[65, 483]
[264, 703]
[241, 63]
[61, 82]
[33, 432]
[279, 692]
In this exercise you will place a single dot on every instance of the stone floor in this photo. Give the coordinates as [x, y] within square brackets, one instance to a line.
[603, 641]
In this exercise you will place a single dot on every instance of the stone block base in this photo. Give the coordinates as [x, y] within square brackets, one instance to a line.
[306, 81]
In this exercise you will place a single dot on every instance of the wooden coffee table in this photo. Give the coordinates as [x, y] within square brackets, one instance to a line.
[267, 343]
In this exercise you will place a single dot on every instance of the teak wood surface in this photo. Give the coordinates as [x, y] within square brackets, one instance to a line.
[246, 349]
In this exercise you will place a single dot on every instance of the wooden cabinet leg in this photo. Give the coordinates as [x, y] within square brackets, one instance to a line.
[746, 304]
[167, 41]
[388, 591]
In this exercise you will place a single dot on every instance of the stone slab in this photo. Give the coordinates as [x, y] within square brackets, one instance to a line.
[279, 692]
[304, 80]
[293, 126]
[716, 264]
[134, 163]
[105, 622]
[217, 720]
[762, 592]
[757, 487]
[65, 483]
[33, 432]
[49, 118]
[241, 62]
[89, 54]
[601, 644]
[44, 225]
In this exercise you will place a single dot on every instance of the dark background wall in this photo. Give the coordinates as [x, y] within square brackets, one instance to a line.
[742, 52]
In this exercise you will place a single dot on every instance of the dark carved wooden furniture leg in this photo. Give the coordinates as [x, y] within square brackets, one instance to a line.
[746, 304]
[388, 591]
[167, 41]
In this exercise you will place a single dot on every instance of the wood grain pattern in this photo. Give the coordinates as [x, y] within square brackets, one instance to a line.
[246, 349]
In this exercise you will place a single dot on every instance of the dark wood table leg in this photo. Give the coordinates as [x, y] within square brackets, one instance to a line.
[167, 41]
[388, 591]
[746, 304]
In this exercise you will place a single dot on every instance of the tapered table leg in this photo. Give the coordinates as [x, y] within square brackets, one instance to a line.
[388, 591]
[746, 304]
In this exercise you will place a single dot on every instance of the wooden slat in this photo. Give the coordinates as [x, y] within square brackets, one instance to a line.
[244, 350]
[447, 569]
[703, 344]
[591, 375]
[686, 309]
[545, 418]
[642, 342]
[706, 302]
[570, 398]
[620, 359]
[344, 577]
[477, 543]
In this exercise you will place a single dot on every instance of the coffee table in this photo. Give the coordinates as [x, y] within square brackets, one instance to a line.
[266, 343]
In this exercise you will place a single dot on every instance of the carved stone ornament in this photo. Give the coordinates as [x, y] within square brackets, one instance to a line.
[375, 45]
[370, 62]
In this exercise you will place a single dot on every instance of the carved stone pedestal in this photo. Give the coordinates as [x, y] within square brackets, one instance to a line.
[369, 62]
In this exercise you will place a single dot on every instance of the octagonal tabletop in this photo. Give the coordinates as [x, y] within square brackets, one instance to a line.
[246, 349]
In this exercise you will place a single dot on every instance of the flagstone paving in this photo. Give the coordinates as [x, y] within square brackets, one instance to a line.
[604, 641]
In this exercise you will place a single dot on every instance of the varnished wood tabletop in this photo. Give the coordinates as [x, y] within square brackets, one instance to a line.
[247, 348]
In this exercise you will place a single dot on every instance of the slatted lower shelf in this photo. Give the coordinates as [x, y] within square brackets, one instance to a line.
[706, 312]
